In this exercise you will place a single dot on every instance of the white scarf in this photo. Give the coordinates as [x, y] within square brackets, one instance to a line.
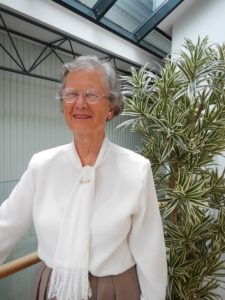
[69, 278]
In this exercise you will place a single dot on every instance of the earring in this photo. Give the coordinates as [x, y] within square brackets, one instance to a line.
[109, 115]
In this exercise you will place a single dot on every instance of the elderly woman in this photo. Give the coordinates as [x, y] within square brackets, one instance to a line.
[93, 203]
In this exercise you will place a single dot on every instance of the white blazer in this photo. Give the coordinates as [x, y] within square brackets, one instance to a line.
[126, 226]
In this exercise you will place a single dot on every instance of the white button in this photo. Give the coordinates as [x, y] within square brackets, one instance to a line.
[85, 181]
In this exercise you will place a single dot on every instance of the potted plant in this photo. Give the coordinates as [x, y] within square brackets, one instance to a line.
[180, 115]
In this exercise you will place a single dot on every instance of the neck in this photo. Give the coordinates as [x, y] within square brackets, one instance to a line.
[88, 147]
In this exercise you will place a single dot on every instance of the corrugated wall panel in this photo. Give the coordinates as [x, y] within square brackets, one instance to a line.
[30, 121]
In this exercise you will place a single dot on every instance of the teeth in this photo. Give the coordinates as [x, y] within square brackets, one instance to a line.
[81, 116]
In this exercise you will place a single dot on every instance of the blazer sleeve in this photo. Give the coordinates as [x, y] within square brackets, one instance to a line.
[16, 214]
[146, 242]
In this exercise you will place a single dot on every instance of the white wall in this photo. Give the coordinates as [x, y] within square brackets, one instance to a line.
[204, 17]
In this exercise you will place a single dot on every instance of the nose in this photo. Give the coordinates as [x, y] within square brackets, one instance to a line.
[80, 102]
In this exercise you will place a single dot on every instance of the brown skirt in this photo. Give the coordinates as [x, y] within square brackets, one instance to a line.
[124, 286]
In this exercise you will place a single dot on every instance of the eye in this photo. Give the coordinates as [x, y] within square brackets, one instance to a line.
[92, 95]
[70, 94]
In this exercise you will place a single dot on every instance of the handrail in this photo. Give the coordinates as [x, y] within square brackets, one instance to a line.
[18, 264]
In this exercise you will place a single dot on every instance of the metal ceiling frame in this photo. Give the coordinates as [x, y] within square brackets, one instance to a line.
[159, 14]
[96, 15]
[51, 48]
[101, 8]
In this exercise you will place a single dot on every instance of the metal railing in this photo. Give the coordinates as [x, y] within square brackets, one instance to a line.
[18, 264]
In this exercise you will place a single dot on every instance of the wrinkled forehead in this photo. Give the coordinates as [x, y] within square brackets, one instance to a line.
[86, 79]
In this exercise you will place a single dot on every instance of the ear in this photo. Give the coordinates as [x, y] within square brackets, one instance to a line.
[110, 114]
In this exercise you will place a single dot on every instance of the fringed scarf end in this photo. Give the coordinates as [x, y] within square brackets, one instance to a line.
[69, 284]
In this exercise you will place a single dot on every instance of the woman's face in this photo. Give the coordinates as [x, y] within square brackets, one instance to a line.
[83, 117]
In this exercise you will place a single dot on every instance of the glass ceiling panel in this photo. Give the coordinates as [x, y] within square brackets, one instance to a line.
[135, 20]
[131, 14]
[159, 41]
[89, 3]
[154, 50]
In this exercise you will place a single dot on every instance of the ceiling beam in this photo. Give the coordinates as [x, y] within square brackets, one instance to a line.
[161, 13]
[77, 7]
[102, 7]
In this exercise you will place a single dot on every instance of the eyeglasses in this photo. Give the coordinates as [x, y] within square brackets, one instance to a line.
[90, 96]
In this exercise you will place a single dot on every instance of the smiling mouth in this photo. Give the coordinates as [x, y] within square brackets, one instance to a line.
[82, 117]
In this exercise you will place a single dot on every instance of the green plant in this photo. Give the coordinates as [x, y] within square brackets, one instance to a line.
[180, 114]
